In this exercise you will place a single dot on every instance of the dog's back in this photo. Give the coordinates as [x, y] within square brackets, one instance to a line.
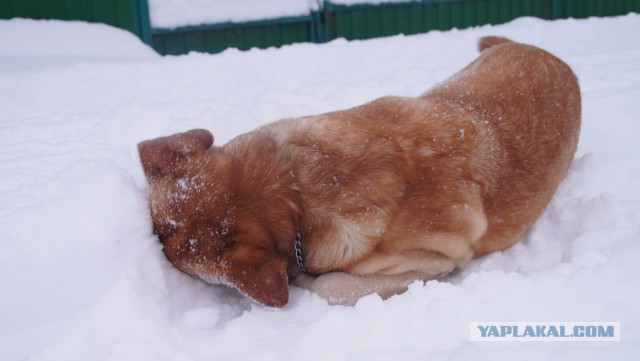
[463, 170]
[528, 103]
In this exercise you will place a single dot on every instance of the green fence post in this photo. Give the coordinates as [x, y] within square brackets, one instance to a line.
[319, 27]
[144, 22]
[554, 9]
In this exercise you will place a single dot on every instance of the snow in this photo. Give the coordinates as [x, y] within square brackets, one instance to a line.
[170, 14]
[82, 277]
[44, 42]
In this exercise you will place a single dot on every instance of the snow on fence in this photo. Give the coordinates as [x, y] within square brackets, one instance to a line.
[181, 26]
[171, 14]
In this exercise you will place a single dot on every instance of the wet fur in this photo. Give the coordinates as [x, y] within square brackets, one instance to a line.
[396, 190]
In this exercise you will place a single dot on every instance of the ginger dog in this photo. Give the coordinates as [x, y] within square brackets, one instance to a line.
[372, 198]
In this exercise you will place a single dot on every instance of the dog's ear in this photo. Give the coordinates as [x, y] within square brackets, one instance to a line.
[163, 156]
[258, 273]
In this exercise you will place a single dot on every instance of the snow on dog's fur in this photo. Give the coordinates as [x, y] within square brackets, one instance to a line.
[396, 190]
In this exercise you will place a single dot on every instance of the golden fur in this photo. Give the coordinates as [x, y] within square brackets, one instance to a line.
[396, 190]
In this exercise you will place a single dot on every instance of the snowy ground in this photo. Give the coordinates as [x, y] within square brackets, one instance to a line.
[83, 278]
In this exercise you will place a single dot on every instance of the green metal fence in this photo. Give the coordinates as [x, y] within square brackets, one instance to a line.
[360, 21]
[585, 8]
[217, 37]
[366, 21]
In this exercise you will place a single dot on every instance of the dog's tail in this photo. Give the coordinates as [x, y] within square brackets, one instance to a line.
[486, 42]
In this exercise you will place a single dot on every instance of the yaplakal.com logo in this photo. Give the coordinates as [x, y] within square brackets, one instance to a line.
[544, 331]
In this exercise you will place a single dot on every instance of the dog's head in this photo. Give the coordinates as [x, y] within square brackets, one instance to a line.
[195, 214]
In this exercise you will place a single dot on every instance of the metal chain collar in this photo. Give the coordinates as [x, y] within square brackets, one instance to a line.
[298, 252]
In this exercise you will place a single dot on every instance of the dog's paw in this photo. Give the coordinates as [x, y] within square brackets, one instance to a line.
[303, 281]
[335, 287]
